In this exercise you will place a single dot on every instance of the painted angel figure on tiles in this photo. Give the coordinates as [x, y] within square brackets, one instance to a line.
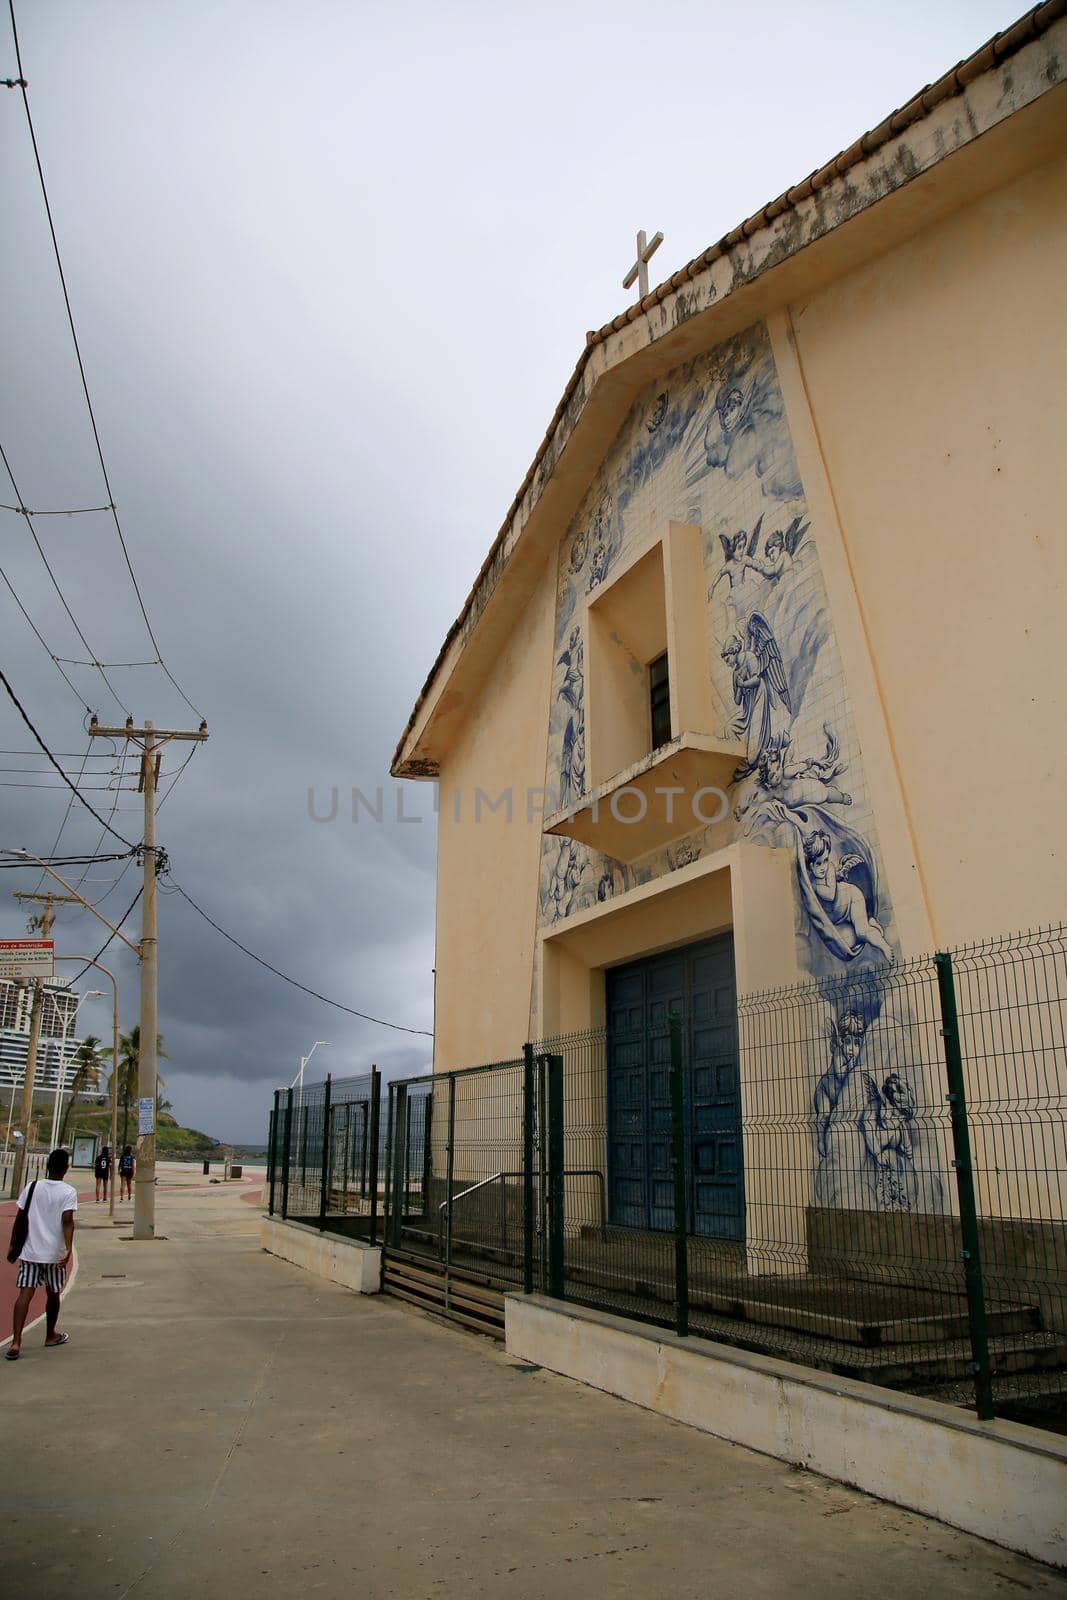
[737, 550]
[559, 896]
[779, 550]
[659, 428]
[572, 763]
[795, 783]
[845, 1034]
[605, 539]
[838, 890]
[745, 429]
[573, 662]
[761, 692]
[886, 1126]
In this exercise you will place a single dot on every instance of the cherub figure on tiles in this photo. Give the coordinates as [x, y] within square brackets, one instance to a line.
[847, 1171]
[838, 886]
[561, 893]
[605, 540]
[736, 550]
[572, 689]
[872, 1151]
[742, 556]
[845, 1035]
[684, 853]
[613, 880]
[779, 550]
[572, 763]
[760, 690]
[886, 1125]
[578, 552]
[662, 427]
[746, 429]
[805, 782]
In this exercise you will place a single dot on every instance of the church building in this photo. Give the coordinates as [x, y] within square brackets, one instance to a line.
[761, 680]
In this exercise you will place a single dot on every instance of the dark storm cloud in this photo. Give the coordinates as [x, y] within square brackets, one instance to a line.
[332, 266]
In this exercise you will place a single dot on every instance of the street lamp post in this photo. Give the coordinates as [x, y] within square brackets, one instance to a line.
[114, 1062]
[300, 1113]
[68, 1023]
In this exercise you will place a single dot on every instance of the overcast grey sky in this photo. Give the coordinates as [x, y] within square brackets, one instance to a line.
[332, 265]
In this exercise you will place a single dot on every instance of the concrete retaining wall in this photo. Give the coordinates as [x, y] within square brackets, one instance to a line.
[1000, 1480]
[348, 1261]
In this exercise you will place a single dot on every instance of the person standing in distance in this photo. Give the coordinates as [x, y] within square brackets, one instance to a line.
[45, 1224]
[127, 1165]
[102, 1173]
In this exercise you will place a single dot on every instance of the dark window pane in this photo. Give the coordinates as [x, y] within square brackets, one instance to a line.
[659, 701]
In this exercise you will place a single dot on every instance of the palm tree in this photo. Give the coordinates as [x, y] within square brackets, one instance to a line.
[129, 1064]
[86, 1078]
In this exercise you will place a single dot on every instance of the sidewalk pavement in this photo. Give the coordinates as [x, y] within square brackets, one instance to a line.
[223, 1425]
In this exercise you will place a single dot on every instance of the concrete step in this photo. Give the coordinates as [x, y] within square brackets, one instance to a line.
[897, 1335]
[464, 1297]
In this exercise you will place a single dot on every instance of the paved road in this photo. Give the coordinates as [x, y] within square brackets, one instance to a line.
[222, 1425]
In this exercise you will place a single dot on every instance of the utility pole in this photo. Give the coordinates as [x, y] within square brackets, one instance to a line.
[150, 740]
[41, 923]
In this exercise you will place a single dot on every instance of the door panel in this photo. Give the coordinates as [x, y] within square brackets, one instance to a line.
[696, 982]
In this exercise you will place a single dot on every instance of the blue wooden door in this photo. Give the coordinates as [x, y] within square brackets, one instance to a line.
[695, 982]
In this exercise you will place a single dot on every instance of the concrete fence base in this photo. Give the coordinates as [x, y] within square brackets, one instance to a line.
[1000, 1480]
[350, 1262]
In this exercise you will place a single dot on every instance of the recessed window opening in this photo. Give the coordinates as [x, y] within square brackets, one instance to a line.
[659, 700]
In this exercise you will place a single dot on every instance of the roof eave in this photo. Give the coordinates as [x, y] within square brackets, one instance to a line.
[755, 266]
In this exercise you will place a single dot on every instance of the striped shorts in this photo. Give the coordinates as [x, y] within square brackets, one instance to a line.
[33, 1274]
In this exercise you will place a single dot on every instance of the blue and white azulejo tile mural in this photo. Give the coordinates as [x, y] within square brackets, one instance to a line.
[710, 445]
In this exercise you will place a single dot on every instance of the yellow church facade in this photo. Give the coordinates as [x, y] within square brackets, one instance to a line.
[814, 484]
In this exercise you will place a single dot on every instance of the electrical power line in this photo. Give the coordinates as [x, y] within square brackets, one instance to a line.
[78, 883]
[56, 788]
[20, 708]
[70, 511]
[28, 519]
[75, 691]
[17, 862]
[81, 372]
[78, 976]
[69, 755]
[352, 1012]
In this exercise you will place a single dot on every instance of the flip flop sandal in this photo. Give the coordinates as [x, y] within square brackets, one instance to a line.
[12, 1355]
[57, 1342]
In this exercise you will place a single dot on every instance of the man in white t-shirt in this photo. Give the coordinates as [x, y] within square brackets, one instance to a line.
[49, 1205]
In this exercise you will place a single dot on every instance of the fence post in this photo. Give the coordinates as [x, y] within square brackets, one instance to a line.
[286, 1151]
[450, 1167]
[372, 1156]
[346, 1157]
[427, 1156]
[556, 1263]
[398, 1107]
[364, 1144]
[272, 1169]
[405, 1188]
[678, 1166]
[388, 1164]
[327, 1142]
[527, 1168]
[961, 1145]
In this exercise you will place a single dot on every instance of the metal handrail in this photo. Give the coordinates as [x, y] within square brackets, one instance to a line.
[497, 1177]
